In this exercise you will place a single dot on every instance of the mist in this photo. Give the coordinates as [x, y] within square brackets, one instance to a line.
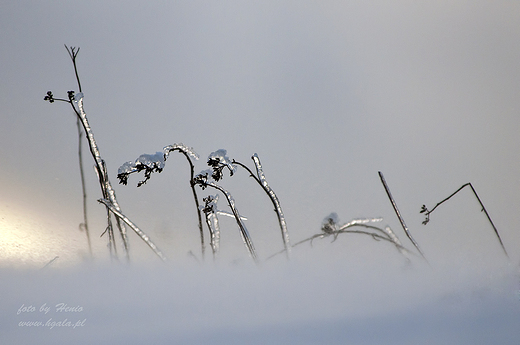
[327, 94]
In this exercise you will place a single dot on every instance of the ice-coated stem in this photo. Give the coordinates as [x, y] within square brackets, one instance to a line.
[401, 220]
[210, 210]
[261, 180]
[275, 201]
[138, 231]
[189, 154]
[106, 186]
[213, 226]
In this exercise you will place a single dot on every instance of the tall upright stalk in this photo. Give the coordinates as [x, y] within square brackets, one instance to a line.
[112, 206]
[84, 225]
[106, 187]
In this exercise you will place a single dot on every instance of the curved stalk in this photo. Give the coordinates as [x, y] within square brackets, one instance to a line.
[428, 212]
[260, 179]
[182, 149]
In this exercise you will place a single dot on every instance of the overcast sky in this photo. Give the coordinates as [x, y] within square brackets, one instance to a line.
[326, 93]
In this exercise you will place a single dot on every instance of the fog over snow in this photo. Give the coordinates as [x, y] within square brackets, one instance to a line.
[327, 94]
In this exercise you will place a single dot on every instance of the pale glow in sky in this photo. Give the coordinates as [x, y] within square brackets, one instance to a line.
[327, 94]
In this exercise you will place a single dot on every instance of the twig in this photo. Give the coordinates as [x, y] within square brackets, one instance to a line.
[73, 53]
[401, 220]
[50, 262]
[83, 186]
[138, 231]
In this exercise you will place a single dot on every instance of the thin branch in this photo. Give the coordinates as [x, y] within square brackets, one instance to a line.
[73, 53]
[83, 186]
[140, 233]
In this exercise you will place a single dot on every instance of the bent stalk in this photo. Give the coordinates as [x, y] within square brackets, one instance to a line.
[428, 212]
[261, 180]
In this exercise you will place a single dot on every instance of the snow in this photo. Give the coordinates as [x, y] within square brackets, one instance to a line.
[180, 147]
[155, 161]
[127, 168]
[219, 158]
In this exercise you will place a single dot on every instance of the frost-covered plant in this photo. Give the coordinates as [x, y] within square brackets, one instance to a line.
[148, 163]
[330, 226]
[219, 160]
[109, 197]
[206, 179]
[427, 212]
[151, 163]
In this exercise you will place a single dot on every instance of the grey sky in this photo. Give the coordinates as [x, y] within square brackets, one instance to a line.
[327, 93]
